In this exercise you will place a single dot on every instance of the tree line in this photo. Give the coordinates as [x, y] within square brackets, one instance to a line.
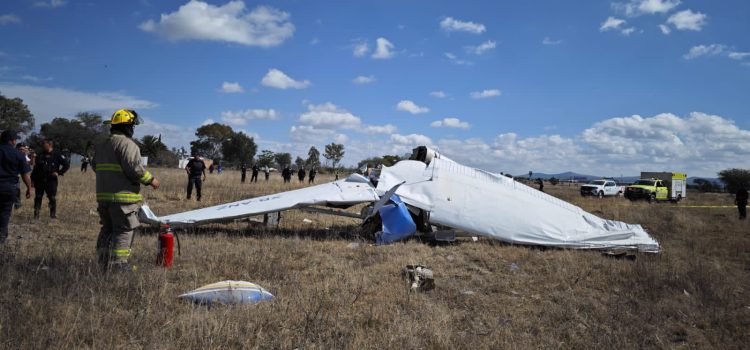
[219, 142]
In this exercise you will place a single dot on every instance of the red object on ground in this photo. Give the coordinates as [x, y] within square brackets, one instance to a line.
[165, 247]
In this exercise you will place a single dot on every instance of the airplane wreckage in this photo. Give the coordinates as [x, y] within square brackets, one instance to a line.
[414, 196]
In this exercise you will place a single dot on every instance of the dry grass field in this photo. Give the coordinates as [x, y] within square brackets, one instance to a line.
[335, 290]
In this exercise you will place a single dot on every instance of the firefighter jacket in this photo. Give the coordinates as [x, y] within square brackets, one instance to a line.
[119, 170]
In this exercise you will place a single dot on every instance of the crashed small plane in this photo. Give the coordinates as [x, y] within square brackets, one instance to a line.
[429, 190]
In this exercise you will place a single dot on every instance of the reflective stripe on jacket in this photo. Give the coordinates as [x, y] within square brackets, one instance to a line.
[119, 170]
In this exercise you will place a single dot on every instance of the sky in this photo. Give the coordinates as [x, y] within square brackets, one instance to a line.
[597, 87]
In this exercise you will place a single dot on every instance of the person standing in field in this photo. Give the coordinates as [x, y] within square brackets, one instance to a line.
[741, 200]
[254, 178]
[195, 168]
[311, 175]
[267, 172]
[50, 165]
[301, 174]
[84, 164]
[243, 173]
[21, 147]
[541, 184]
[12, 164]
[119, 176]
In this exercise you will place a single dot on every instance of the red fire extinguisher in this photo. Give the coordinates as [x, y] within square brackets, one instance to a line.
[165, 246]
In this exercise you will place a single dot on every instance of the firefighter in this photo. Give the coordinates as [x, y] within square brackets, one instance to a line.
[49, 166]
[119, 175]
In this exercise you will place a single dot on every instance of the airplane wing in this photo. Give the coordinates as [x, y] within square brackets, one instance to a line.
[353, 190]
[498, 207]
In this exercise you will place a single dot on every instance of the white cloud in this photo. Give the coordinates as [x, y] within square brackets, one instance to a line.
[401, 144]
[450, 123]
[315, 41]
[687, 20]
[47, 102]
[9, 19]
[231, 88]
[704, 50]
[172, 135]
[438, 94]
[36, 79]
[50, 3]
[738, 55]
[307, 134]
[364, 79]
[628, 31]
[380, 129]
[383, 49]
[411, 107]
[208, 121]
[330, 117]
[449, 24]
[242, 117]
[611, 23]
[277, 79]
[485, 94]
[482, 48]
[455, 60]
[197, 20]
[548, 41]
[664, 29]
[361, 49]
[648, 7]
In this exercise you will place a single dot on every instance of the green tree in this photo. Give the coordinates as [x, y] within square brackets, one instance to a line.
[238, 149]
[266, 158]
[150, 146]
[734, 179]
[299, 162]
[313, 158]
[211, 137]
[283, 159]
[334, 152]
[14, 114]
[76, 135]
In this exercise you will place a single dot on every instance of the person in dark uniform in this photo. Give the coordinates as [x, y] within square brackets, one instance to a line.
[243, 172]
[286, 174]
[84, 164]
[211, 168]
[254, 178]
[541, 184]
[12, 164]
[741, 201]
[311, 176]
[195, 168]
[49, 166]
[301, 174]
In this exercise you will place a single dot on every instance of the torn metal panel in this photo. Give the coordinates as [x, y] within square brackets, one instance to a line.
[498, 207]
[353, 190]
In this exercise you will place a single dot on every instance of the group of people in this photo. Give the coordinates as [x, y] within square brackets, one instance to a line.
[255, 170]
[287, 173]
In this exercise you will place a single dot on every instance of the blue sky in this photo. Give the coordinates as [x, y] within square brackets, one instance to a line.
[591, 86]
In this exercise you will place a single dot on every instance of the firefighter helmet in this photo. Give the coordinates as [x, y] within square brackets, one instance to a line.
[124, 116]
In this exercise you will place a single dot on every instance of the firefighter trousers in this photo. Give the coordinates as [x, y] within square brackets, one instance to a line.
[118, 221]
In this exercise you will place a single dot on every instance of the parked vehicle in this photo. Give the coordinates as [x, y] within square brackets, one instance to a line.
[601, 188]
[658, 186]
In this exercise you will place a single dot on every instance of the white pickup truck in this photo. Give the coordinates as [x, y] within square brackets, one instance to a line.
[601, 188]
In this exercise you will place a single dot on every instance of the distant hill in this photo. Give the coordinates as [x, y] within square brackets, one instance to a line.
[585, 178]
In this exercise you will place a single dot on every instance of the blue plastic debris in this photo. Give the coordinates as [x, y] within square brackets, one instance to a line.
[397, 222]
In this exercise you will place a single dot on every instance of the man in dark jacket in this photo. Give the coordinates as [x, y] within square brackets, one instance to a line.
[243, 173]
[254, 178]
[741, 201]
[301, 174]
[48, 167]
[195, 169]
[311, 176]
[12, 164]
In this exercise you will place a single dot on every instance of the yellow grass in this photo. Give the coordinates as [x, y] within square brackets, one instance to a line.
[335, 290]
